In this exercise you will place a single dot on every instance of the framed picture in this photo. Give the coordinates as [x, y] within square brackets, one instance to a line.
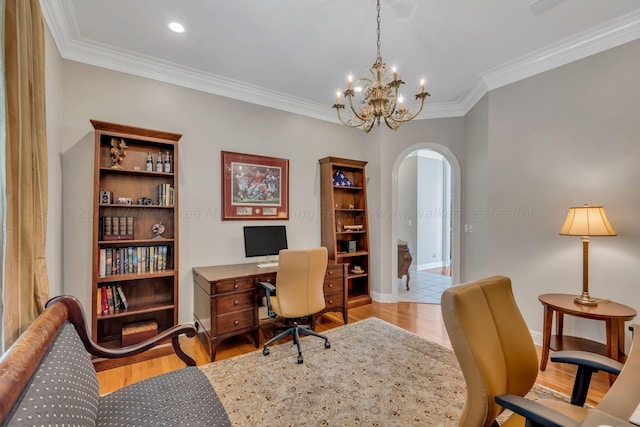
[254, 187]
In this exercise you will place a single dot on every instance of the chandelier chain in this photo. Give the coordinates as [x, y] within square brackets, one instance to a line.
[379, 58]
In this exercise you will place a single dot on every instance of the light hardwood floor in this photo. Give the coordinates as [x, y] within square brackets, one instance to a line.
[423, 319]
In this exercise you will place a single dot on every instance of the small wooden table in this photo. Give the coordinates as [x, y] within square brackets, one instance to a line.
[613, 314]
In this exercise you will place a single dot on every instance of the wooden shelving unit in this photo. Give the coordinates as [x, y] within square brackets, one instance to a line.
[345, 231]
[150, 281]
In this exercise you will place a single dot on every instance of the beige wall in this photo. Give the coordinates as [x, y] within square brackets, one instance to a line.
[525, 153]
[564, 138]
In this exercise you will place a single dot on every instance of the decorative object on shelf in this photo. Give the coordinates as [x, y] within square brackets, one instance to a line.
[145, 201]
[159, 163]
[158, 229]
[341, 180]
[149, 162]
[357, 269]
[167, 163]
[586, 221]
[380, 98]
[254, 187]
[353, 227]
[118, 152]
[125, 201]
[106, 197]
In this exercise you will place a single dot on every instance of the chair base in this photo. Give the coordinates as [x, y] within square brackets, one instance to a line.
[296, 330]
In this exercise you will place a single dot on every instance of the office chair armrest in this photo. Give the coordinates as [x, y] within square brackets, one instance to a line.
[587, 363]
[537, 414]
[595, 361]
[270, 289]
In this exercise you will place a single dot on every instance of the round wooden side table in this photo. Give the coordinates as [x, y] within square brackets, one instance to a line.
[613, 314]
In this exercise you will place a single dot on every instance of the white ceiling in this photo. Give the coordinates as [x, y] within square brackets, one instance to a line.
[295, 54]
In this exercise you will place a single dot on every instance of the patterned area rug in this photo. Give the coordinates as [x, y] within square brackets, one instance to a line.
[374, 374]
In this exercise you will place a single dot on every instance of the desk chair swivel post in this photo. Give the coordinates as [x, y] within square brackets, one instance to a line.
[300, 280]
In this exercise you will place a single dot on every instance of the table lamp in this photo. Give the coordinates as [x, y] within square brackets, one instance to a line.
[586, 221]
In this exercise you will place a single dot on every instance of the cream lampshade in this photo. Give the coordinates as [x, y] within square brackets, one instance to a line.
[586, 221]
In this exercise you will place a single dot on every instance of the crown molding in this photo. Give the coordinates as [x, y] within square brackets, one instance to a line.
[61, 22]
[608, 35]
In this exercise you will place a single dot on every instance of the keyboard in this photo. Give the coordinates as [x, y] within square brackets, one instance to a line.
[267, 264]
[635, 417]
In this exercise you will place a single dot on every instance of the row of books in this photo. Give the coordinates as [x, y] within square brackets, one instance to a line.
[116, 228]
[111, 299]
[165, 195]
[132, 260]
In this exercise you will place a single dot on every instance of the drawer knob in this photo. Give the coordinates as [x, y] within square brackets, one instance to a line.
[330, 285]
[236, 322]
[236, 302]
[235, 286]
[330, 272]
[330, 301]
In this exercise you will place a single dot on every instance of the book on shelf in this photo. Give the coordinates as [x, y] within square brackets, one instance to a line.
[123, 299]
[117, 227]
[165, 195]
[102, 262]
[111, 307]
[105, 301]
[132, 260]
[99, 300]
[116, 298]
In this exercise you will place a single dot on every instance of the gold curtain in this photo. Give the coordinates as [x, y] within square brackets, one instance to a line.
[26, 287]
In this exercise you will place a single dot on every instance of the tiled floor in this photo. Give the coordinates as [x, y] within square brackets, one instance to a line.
[425, 287]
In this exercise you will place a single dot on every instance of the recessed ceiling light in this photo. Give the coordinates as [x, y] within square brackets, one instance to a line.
[178, 28]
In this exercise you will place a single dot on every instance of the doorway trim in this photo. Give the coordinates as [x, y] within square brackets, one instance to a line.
[456, 200]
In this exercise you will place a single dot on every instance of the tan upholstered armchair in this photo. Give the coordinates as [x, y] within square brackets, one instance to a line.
[499, 360]
[300, 281]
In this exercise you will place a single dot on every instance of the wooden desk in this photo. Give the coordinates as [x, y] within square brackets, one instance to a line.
[226, 300]
[613, 314]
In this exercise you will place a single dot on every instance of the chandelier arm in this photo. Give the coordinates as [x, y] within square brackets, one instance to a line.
[422, 96]
[368, 126]
[355, 113]
[392, 123]
[350, 121]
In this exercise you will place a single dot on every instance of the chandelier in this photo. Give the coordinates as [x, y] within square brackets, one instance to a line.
[378, 96]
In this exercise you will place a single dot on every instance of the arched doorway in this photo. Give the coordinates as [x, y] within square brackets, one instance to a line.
[426, 195]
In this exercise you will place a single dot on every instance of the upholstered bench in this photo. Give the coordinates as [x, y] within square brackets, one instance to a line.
[47, 378]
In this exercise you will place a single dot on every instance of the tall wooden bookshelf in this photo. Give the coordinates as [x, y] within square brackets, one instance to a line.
[141, 255]
[344, 226]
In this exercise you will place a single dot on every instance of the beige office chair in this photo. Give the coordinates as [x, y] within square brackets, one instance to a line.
[299, 293]
[499, 361]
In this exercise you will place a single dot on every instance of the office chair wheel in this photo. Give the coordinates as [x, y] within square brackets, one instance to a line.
[300, 359]
[327, 344]
[265, 351]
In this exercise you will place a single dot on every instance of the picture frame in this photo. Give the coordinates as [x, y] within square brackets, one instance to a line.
[254, 187]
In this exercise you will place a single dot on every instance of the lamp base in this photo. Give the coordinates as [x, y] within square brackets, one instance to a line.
[586, 299]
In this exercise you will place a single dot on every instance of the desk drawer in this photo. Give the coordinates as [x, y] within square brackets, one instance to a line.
[334, 270]
[333, 301]
[334, 284]
[236, 301]
[234, 321]
[239, 284]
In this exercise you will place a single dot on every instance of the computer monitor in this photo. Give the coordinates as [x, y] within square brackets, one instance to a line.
[264, 240]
